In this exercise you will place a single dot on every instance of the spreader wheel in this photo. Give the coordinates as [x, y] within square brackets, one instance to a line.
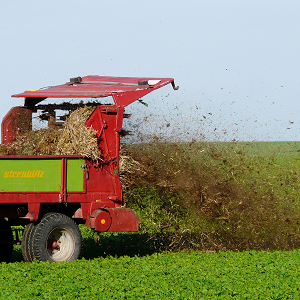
[27, 249]
[6, 240]
[57, 238]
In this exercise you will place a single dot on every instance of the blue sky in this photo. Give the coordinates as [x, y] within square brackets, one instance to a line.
[236, 62]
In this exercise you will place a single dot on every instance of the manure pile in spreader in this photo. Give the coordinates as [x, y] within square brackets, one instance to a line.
[73, 139]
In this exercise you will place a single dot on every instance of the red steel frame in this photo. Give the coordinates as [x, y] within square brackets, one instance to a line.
[101, 203]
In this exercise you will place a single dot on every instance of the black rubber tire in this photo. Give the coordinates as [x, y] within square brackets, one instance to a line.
[6, 235]
[57, 238]
[27, 250]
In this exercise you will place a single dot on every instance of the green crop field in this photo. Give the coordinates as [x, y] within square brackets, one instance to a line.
[194, 275]
[217, 221]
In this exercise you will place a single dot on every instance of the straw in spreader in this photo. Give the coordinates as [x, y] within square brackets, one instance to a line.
[74, 139]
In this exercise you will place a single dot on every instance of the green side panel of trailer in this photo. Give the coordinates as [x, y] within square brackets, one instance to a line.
[30, 175]
[39, 175]
[75, 175]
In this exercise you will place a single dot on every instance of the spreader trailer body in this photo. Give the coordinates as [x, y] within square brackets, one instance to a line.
[51, 194]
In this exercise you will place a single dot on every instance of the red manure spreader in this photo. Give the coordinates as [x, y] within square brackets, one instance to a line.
[49, 195]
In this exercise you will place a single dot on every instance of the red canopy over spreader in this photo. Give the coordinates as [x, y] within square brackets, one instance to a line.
[124, 90]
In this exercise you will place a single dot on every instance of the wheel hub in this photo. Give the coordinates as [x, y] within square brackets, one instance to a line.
[52, 244]
[60, 244]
